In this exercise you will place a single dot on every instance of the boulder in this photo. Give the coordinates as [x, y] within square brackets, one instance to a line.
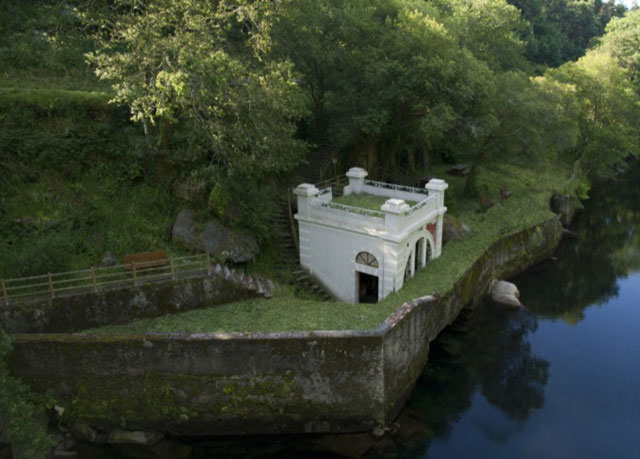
[505, 293]
[219, 241]
[453, 228]
[136, 437]
[567, 206]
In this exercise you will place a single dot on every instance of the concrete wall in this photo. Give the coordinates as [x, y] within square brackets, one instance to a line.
[89, 309]
[343, 381]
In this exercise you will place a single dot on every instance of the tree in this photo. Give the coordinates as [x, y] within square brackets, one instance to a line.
[202, 64]
[387, 79]
[607, 115]
[521, 115]
[622, 41]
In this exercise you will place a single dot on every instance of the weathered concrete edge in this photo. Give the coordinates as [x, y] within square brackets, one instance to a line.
[403, 337]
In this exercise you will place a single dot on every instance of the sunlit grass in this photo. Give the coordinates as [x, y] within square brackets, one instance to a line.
[528, 206]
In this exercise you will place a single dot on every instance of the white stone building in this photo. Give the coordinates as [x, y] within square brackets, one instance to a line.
[363, 255]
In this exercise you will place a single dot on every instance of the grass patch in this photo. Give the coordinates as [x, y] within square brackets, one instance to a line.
[528, 206]
[365, 201]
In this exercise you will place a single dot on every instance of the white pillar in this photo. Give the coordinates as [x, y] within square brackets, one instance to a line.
[305, 193]
[437, 187]
[394, 210]
[356, 179]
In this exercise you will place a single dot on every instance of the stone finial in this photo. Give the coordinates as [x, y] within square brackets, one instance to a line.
[306, 190]
[356, 179]
[357, 173]
[436, 185]
[395, 206]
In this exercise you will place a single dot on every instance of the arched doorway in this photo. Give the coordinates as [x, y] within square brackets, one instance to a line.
[366, 283]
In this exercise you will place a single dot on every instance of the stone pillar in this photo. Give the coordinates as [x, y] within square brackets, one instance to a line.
[356, 179]
[394, 210]
[437, 250]
[436, 188]
[305, 193]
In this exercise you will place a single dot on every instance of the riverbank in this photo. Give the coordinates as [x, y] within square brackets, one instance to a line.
[248, 383]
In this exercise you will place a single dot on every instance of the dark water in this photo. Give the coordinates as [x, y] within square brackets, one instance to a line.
[559, 380]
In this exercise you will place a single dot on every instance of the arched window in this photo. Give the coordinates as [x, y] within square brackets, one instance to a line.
[429, 252]
[365, 258]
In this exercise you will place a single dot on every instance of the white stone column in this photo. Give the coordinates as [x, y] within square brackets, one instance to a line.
[437, 187]
[438, 248]
[305, 193]
[394, 210]
[356, 179]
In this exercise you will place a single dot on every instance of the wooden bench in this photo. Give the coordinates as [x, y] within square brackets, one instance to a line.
[145, 260]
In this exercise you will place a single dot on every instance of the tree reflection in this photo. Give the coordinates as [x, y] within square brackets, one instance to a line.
[587, 268]
[490, 353]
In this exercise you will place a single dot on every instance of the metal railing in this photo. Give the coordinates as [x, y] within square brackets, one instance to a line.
[392, 186]
[346, 208]
[93, 279]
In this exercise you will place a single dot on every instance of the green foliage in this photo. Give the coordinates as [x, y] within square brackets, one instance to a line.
[387, 80]
[608, 110]
[182, 61]
[562, 30]
[622, 41]
[23, 410]
[42, 44]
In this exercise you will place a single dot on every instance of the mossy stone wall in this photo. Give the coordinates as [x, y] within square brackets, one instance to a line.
[89, 309]
[215, 384]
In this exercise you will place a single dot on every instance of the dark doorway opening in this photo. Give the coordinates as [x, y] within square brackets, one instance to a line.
[367, 288]
[417, 257]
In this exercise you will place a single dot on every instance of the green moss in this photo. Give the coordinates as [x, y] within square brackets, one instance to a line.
[365, 201]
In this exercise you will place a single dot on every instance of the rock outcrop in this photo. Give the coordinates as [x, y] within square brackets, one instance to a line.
[219, 241]
[567, 206]
[453, 228]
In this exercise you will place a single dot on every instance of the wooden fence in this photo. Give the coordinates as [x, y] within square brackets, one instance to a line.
[72, 282]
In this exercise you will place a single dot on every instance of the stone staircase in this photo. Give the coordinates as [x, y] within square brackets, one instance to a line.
[289, 264]
[262, 286]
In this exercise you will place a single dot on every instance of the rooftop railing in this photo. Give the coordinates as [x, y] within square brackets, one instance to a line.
[392, 186]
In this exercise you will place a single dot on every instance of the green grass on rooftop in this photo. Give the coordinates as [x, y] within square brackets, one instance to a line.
[528, 206]
[365, 201]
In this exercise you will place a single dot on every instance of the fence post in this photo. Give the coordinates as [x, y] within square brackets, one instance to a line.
[173, 269]
[4, 292]
[135, 278]
[93, 277]
[51, 289]
[208, 263]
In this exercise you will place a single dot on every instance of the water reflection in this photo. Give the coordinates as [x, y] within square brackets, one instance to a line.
[489, 354]
[587, 269]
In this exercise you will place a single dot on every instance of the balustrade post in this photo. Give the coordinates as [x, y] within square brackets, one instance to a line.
[51, 289]
[4, 292]
[93, 278]
[135, 278]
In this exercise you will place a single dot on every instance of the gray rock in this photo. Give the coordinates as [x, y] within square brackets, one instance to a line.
[453, 228]
[219, 241]
[137, 437]
[567, 206]
[505, 293]
[108, 260]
